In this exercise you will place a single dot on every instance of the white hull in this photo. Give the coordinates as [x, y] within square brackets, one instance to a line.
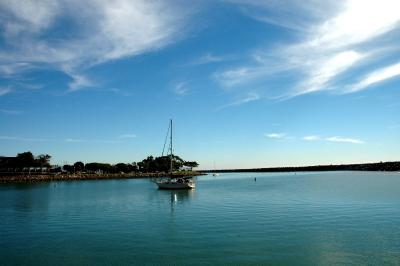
[175, 185]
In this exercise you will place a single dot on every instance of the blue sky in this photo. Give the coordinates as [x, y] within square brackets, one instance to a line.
[248, 83]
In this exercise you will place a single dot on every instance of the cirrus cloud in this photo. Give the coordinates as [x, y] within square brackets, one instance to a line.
[329, 50]
[98, 31]
[348, 140]
[4, 91]
[376, 76]
[333, 139]
[275, 135]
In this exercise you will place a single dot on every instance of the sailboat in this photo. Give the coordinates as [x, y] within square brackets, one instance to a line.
[174, 182]
[215, 174]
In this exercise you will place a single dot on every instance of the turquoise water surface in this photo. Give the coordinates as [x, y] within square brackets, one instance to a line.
[323, 218]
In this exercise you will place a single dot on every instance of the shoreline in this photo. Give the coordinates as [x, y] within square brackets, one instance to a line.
[44, 177]
[377, 167]
[12, 177]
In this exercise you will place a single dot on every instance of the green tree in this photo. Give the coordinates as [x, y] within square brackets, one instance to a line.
[105, 167]
[134, 167]
[43, 160]
[192, 164]
[68, 168]
[163, 164]
[79, 166]
[122, 167]
[25, 159]
[140, 166]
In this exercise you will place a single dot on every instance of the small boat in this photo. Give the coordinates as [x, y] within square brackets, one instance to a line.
[172, 182]
[215, 174]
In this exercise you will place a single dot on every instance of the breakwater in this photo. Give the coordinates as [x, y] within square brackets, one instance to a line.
[45, 177]
[381, 166]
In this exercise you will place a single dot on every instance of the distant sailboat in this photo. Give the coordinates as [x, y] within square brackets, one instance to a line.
[215, 174]
[171, 182]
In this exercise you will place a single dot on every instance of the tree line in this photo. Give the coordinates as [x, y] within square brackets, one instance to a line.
[25, 160]
[148, 165]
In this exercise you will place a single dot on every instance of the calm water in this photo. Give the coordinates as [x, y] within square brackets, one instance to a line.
[328, 218]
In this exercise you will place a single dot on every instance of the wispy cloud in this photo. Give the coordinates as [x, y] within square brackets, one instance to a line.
[311, 138]
[292, 14]
[4, 91]
[327, 69]
[249, 97]
[75, 140]
[333, 139]
[235, 76]
[376, 76]
[9, 69]
[335, 39]
[275, 135]
[79, 82]
[181, 89]
[348, 140]
[17, 138]
[99, 31]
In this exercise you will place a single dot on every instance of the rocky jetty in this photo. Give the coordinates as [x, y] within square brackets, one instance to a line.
[32, 178]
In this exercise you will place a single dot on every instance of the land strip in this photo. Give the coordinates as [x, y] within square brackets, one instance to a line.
[382, 166]
[46, 177]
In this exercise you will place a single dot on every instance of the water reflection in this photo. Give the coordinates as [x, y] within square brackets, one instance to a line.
[179, 197]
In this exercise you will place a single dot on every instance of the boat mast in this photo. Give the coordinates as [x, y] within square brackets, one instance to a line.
[171, 147]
